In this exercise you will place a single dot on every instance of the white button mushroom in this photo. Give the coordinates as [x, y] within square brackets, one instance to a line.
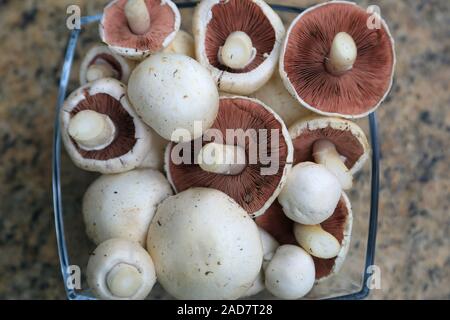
[123, 205]
[311, 193]
[101, 131]
[172, 92]
[291, 273]
[316, 241]
[269, 245]
[257, 186]
[204, 245]
[327, 70]
[120, 269]
[239, 42]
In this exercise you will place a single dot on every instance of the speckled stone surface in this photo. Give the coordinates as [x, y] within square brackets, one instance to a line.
[413, 250]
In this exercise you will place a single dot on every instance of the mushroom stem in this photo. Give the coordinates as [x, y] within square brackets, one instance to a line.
[124, 280]
[325, 153]
[222, 159]
[92, 130]
[238, 51]
[342, 54]
[138, 16]
[316, 241]
[99, 71]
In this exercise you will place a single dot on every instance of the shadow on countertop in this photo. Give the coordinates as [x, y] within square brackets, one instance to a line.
[413, 243]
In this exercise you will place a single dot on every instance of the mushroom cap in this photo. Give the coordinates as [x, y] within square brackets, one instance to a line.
[339, 224]
[173, 91]
[215, 20]
[349, 139]
[182, 44]
[115, 32]
[126, 152]
[252, 190]
[311, 193]
[290, 274]
[102, 53]
[204, 245]
[275, 95]
[353, 94]
[111, 253]
[123, 205]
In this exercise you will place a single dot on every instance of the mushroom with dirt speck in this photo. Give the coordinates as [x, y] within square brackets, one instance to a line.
[180, 252]
[155, 100]
[311, 193]
[290, 274]
[127, 211]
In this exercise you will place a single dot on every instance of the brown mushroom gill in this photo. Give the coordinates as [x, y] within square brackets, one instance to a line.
[125, 139]
[346, 144]
[110, 60]
[275, 222]
[249, 188]
[238, 15]
[118, 33]
[357, 90]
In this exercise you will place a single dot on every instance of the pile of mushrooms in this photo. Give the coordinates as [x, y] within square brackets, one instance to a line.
[178, 201]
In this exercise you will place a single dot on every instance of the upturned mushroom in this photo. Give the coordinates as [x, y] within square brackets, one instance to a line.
[123, 205]
[174, 95]
[340, 145]
[138, 28]
[310, 194]
[269, 245]
[101, 131]
[247, 154]
[204, 245]
[100, 62]
[338, 59]
[275, 95]
[120, 269]
[291, 273]
[182, 44]
[328, 258]
[238, 41]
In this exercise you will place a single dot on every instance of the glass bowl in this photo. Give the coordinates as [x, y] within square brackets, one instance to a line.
[69, 184]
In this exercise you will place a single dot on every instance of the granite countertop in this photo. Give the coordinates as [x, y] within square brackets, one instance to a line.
[413, 248]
